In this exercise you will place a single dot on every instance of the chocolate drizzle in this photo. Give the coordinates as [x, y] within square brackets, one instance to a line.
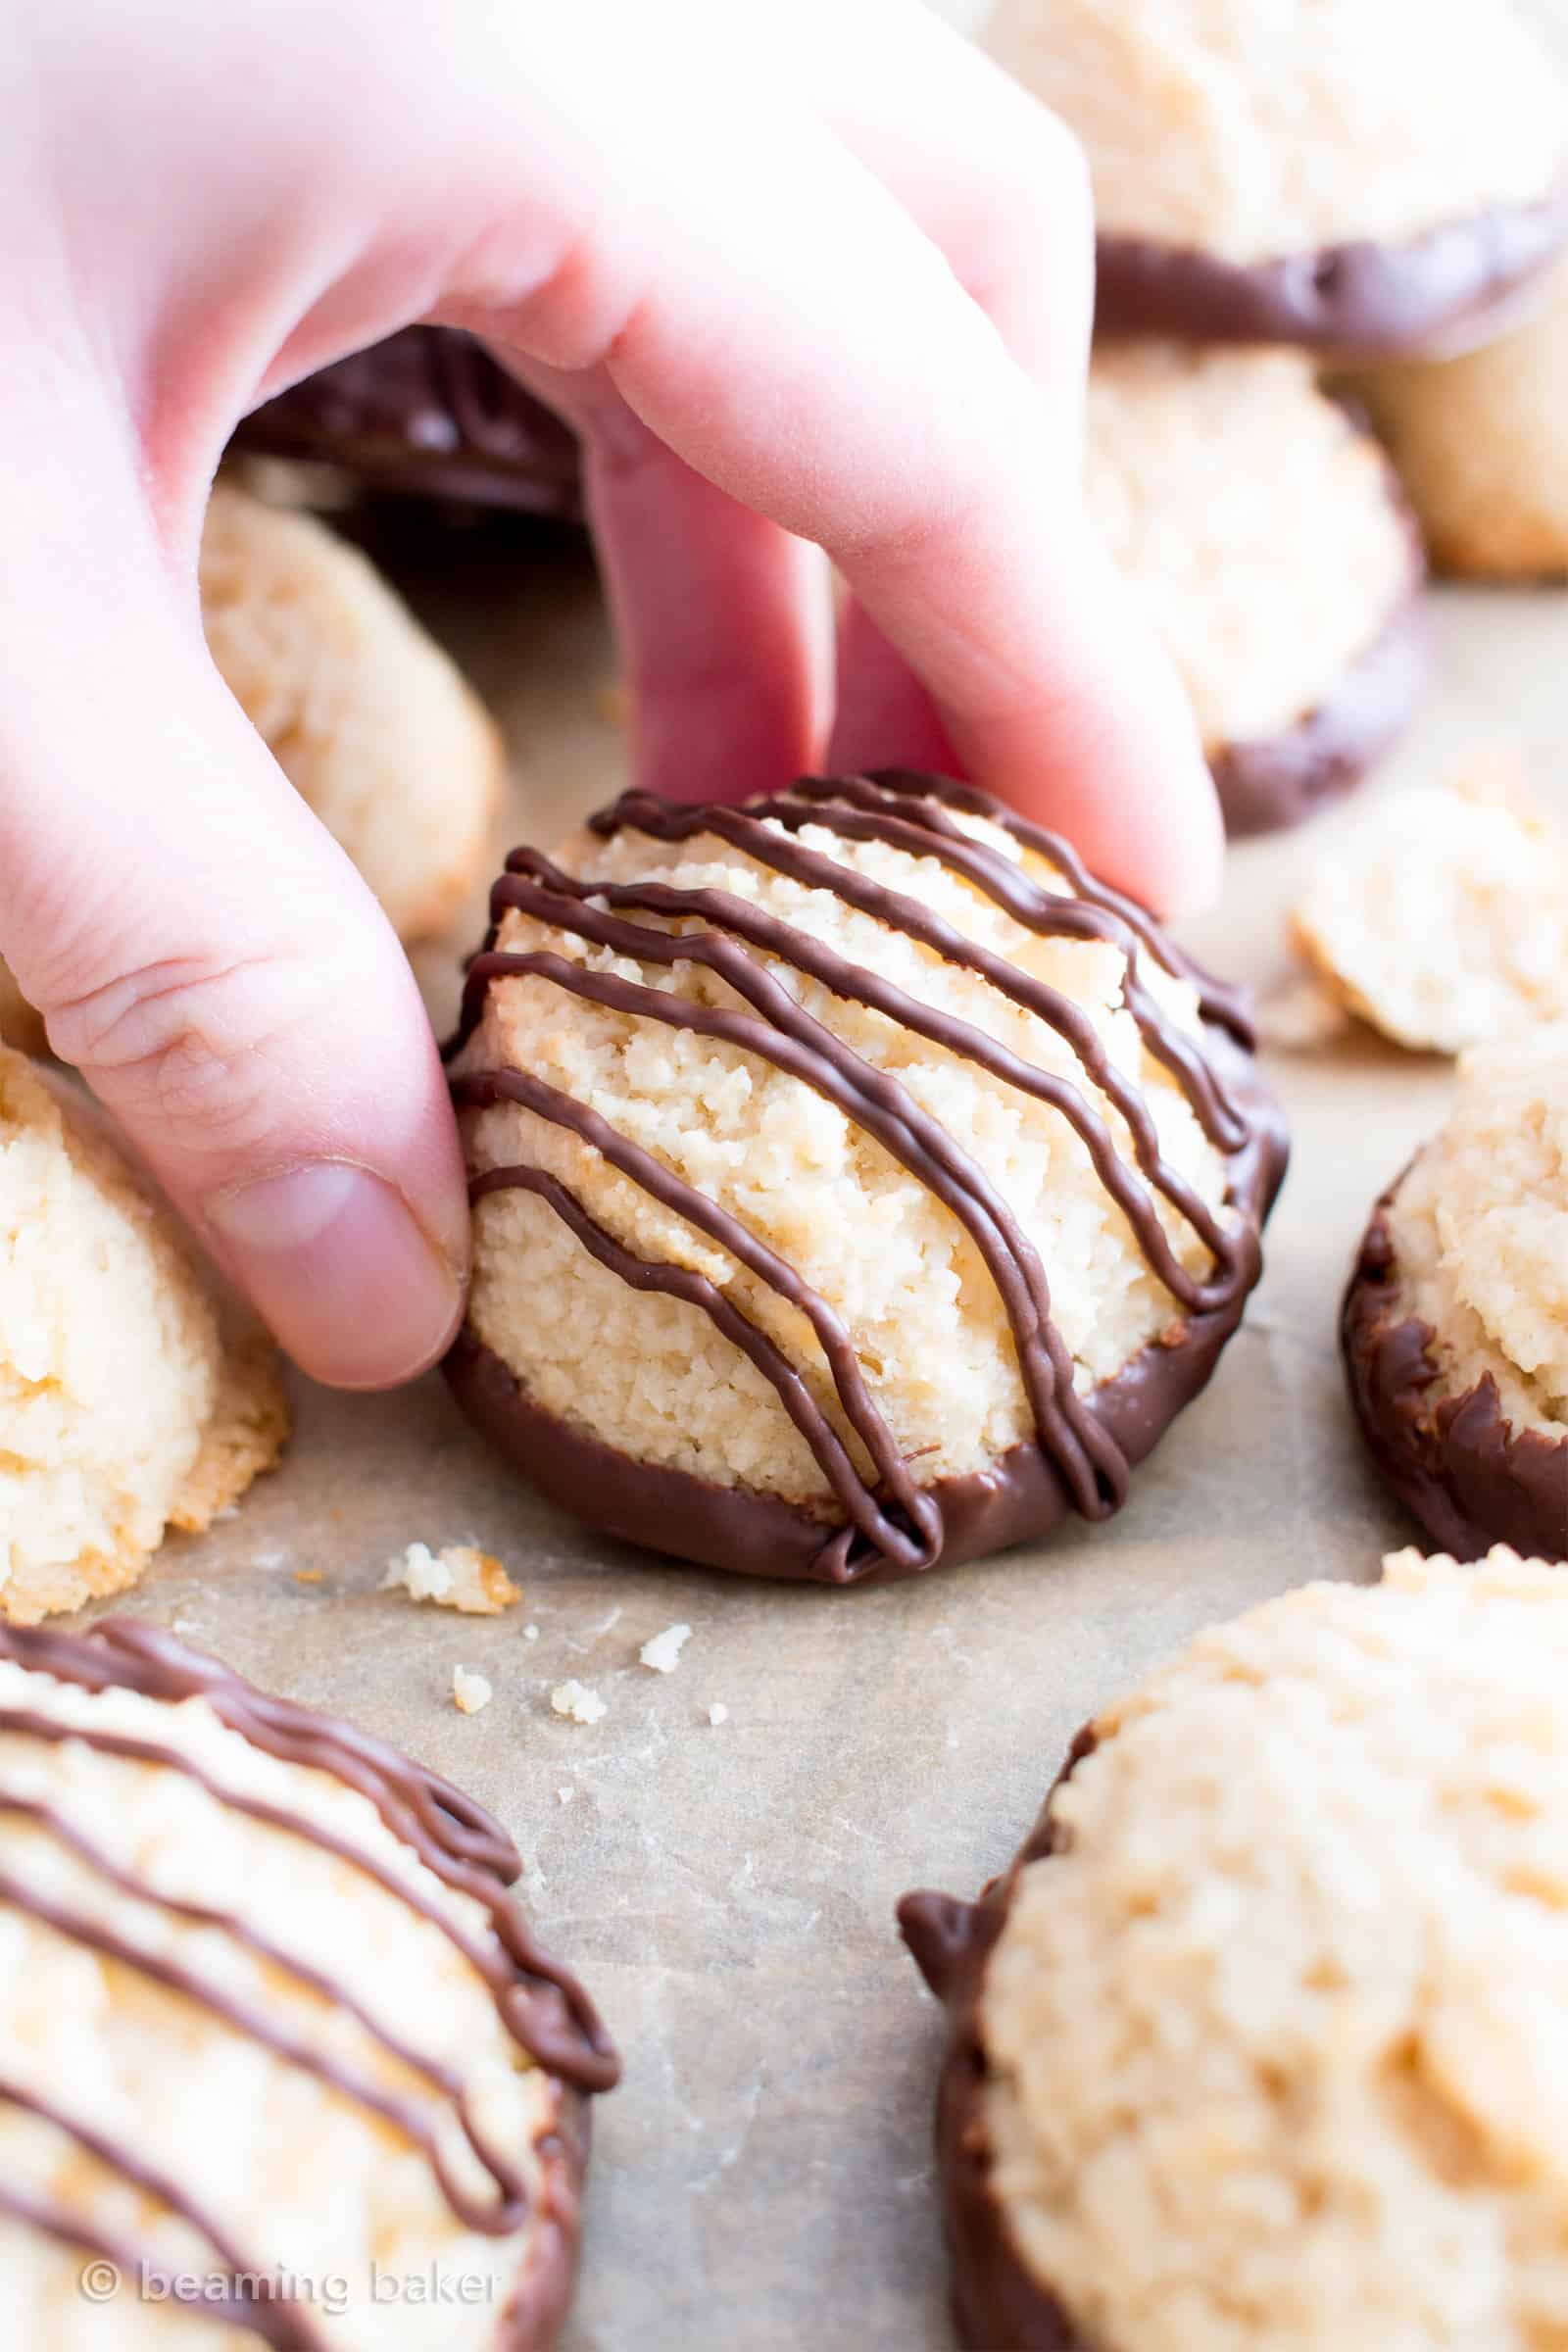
[894, 1525]
[541, 2006]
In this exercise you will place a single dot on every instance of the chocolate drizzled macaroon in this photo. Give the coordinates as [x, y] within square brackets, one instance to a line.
[1262, 531]
[275, 2035]
[427, 414]
[857, 1183]
[1456, 1322]
[1254, 2048]
[1363, 174]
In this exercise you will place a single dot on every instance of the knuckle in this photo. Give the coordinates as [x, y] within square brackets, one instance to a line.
[189, 1045]
[622, 449]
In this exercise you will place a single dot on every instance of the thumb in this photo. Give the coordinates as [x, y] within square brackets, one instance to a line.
[205, 954]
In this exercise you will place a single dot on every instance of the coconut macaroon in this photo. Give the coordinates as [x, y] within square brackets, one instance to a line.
[425, 413]
[856, 1183]
[1260, 529]
[1369, 175]
[280, 2056]
[1456, 1322]
[1481, 445]
[129, 1403]
[372, 722]
[1255, 2046]
[1440, 915]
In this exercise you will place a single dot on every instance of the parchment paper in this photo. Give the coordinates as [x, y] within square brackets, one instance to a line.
[762, 2180]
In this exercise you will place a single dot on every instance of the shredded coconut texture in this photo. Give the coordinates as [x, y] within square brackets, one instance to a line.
[1205, 468]
[1276, 2040]
[371, 720]
[1440, 914]
[651, 1375]
[1480, 1231]
[302, 2178]
[1252, 129]
[124, 1409]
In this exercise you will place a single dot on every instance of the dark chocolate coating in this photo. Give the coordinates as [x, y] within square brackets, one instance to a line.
[998, 2303]
[1280, 780]
[1085, 1447]
[543, 2008]
[1455, 1461]
[1440, 293]
[428, 412]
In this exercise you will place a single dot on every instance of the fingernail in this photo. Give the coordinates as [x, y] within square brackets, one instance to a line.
[341, 1268]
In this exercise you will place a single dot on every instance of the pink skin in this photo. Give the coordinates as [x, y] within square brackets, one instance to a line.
[814, 284]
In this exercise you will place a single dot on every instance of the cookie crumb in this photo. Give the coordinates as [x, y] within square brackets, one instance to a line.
[662, 1651]
[458, 1577]
[308, 1575]
[1440, 915]
[575, 1699]
[718, 1713]
[1299, 1015]
[470, 1692]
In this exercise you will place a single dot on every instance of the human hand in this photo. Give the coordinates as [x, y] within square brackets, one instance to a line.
[816, 274]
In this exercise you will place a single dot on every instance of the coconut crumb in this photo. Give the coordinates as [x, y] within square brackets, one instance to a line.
[575, 1699]
[718, 1713]
[1440, 915]
[662, 1651]
[530, 1633]
[564, 1797]
[458, 1577]
[470, 1692]
[1300, 1016]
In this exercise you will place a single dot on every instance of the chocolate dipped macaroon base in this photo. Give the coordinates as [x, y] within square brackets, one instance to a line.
[832, 1033]
[339, 1946]
[998, 2305]
[1243, 2050]
[1438, 294]
[1279, 781]
[427, 414]
[1018, 1499]
[1202, 463]
[1455, 1325]
[1455, 1461]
